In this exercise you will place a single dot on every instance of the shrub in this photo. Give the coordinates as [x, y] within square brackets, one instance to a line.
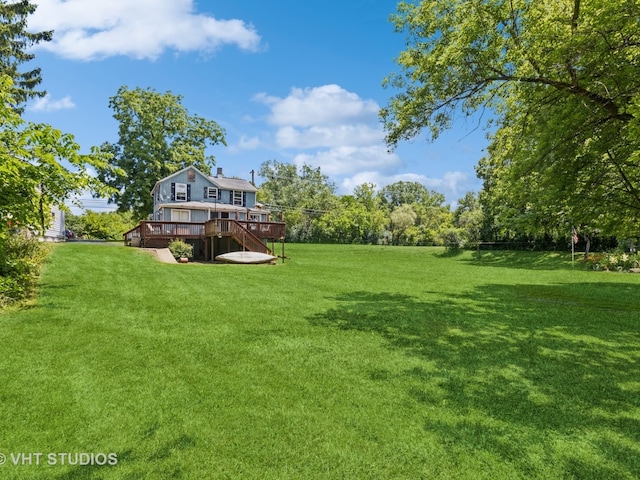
[101, 225]
[21, 258]
[614, 261]
[181, 249]
[453, 238]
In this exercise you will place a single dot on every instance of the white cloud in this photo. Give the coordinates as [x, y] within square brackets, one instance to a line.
[324, 105]
[453, 185]
[338, 131]
[245, 143]
[47, 104]
[329, 136]
[331, 128]
[140, 29]
[347, 160]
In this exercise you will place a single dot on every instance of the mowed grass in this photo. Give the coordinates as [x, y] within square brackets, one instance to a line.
[345, 362]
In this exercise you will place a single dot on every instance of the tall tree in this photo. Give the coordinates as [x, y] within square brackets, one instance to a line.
[402, 218]
[157, 137]
[303, 194]
[400, 193]
[356, 218]
[468, 217]
[39, 167]
[15, 42]
[561, 79]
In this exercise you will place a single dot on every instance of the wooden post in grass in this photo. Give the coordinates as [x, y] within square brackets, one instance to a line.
[574, 240]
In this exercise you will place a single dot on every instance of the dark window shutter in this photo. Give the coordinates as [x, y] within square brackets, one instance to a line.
[188, 192]
[173, 192]
[244, 199]
[206, 192]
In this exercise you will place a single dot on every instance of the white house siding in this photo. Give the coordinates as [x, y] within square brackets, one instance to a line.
[55, 232]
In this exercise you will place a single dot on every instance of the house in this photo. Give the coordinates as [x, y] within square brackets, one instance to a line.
[215, 214]
[191, 196]
[56, 229]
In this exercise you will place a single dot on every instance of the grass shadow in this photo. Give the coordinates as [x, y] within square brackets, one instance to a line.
[523, 259]
[451, 253]
[525, 372]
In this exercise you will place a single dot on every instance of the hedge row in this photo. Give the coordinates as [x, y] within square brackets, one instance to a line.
[21, 258]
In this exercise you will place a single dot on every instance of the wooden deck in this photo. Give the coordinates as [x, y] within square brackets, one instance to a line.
[262, 230]
[247, 235]
[159, 234]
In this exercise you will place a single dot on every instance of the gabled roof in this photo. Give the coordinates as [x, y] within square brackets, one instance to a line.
[174, 174]
[220, 182]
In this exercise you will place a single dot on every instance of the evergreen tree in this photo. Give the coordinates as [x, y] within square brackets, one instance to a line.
[14, 44]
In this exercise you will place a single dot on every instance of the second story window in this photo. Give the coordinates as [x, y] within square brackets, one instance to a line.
[211, 193]
[237, 197]
[181, 192]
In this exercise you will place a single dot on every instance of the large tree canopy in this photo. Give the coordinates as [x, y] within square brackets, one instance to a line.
[302, 194]
[562, 80]
[157, 137]
[14, 44]
[39, 167]
[400, 193]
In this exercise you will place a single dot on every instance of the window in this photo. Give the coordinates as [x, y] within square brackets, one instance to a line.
[211, 192]
[181, 192]
[180, 215]
[237, 197]
[254, 217]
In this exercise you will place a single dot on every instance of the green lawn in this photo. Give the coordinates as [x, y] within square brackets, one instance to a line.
[346, 362]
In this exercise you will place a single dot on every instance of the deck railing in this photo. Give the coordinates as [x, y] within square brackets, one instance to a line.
[259, 229]
[150, 229]
[247, 239]
[251, 233]
[171, 229]
[132, 237]
[265, 229]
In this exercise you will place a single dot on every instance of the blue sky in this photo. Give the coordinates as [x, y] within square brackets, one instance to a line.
[290, 80]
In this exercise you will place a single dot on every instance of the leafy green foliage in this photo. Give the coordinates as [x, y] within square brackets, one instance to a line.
[615, 261]
[302, 195]
[417, 215]
[21, 258]
[181, 249]
[469, 217]
[100, 225]
[402, 218]
[33, 171]
[157, 137]
[15, 42]
[409, 193]
[313, 212]
[561, 80]
[357, 218]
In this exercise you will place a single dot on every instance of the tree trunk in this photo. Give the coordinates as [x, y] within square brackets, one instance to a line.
[587, 246]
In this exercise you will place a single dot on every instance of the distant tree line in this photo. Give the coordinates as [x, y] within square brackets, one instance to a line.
[402, 213]
[405, 213]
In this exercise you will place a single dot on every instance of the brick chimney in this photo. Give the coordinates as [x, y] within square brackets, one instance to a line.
[219, 172]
